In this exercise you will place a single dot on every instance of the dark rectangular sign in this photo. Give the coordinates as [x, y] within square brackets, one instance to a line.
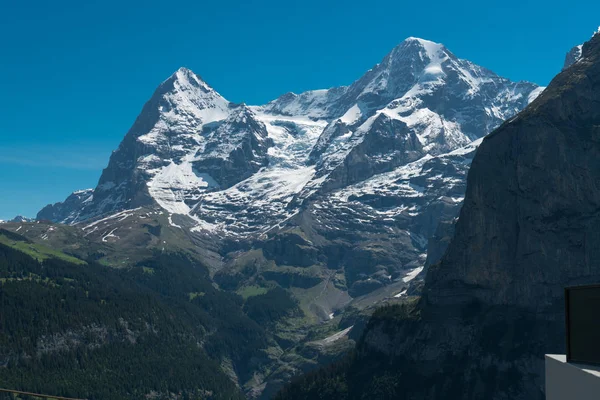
[583, 324]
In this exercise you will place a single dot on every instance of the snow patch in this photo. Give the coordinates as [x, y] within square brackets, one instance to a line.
[412, 274]
[336, 336]
[534, 94]
[110, 235]
[352, 115]
[110, 217]
[175, 183]
[170, 218]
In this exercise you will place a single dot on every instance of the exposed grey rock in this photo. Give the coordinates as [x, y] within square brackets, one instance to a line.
[20, 218]
[438, 243]
[67, 210]
[572, 56]
[236, 149]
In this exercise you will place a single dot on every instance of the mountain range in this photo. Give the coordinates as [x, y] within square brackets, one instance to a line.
[368, 168]
[332, 195]
[190, 149]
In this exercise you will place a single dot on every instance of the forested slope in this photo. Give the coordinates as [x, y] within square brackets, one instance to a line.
[159, 329]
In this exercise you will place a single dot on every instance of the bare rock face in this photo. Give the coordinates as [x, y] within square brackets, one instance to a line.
[573, 56]
[387, 144]
[494, 305]
[236, 149]
[68, 209]
[439, 241]
[535, 186]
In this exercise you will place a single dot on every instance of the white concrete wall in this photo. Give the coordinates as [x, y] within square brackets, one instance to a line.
[565, 381]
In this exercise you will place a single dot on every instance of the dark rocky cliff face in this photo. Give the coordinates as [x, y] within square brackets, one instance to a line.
[493, 306]
[388, 144]
[236, 149]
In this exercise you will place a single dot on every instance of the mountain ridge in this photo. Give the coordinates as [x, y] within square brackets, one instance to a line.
[330, 195]
[246, 178]
[195, 112]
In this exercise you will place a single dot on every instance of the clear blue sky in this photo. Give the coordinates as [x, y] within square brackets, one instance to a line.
[75, 74]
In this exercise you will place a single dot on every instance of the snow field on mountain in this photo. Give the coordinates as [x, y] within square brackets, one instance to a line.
[291, 146]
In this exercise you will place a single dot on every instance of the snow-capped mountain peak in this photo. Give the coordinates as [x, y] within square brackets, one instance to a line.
[192, 152]
[431, 53]
[184, 74]
[413, 59]
[184, 93]
[420, 99]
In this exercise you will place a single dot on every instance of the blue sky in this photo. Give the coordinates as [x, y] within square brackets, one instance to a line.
[74, 75]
